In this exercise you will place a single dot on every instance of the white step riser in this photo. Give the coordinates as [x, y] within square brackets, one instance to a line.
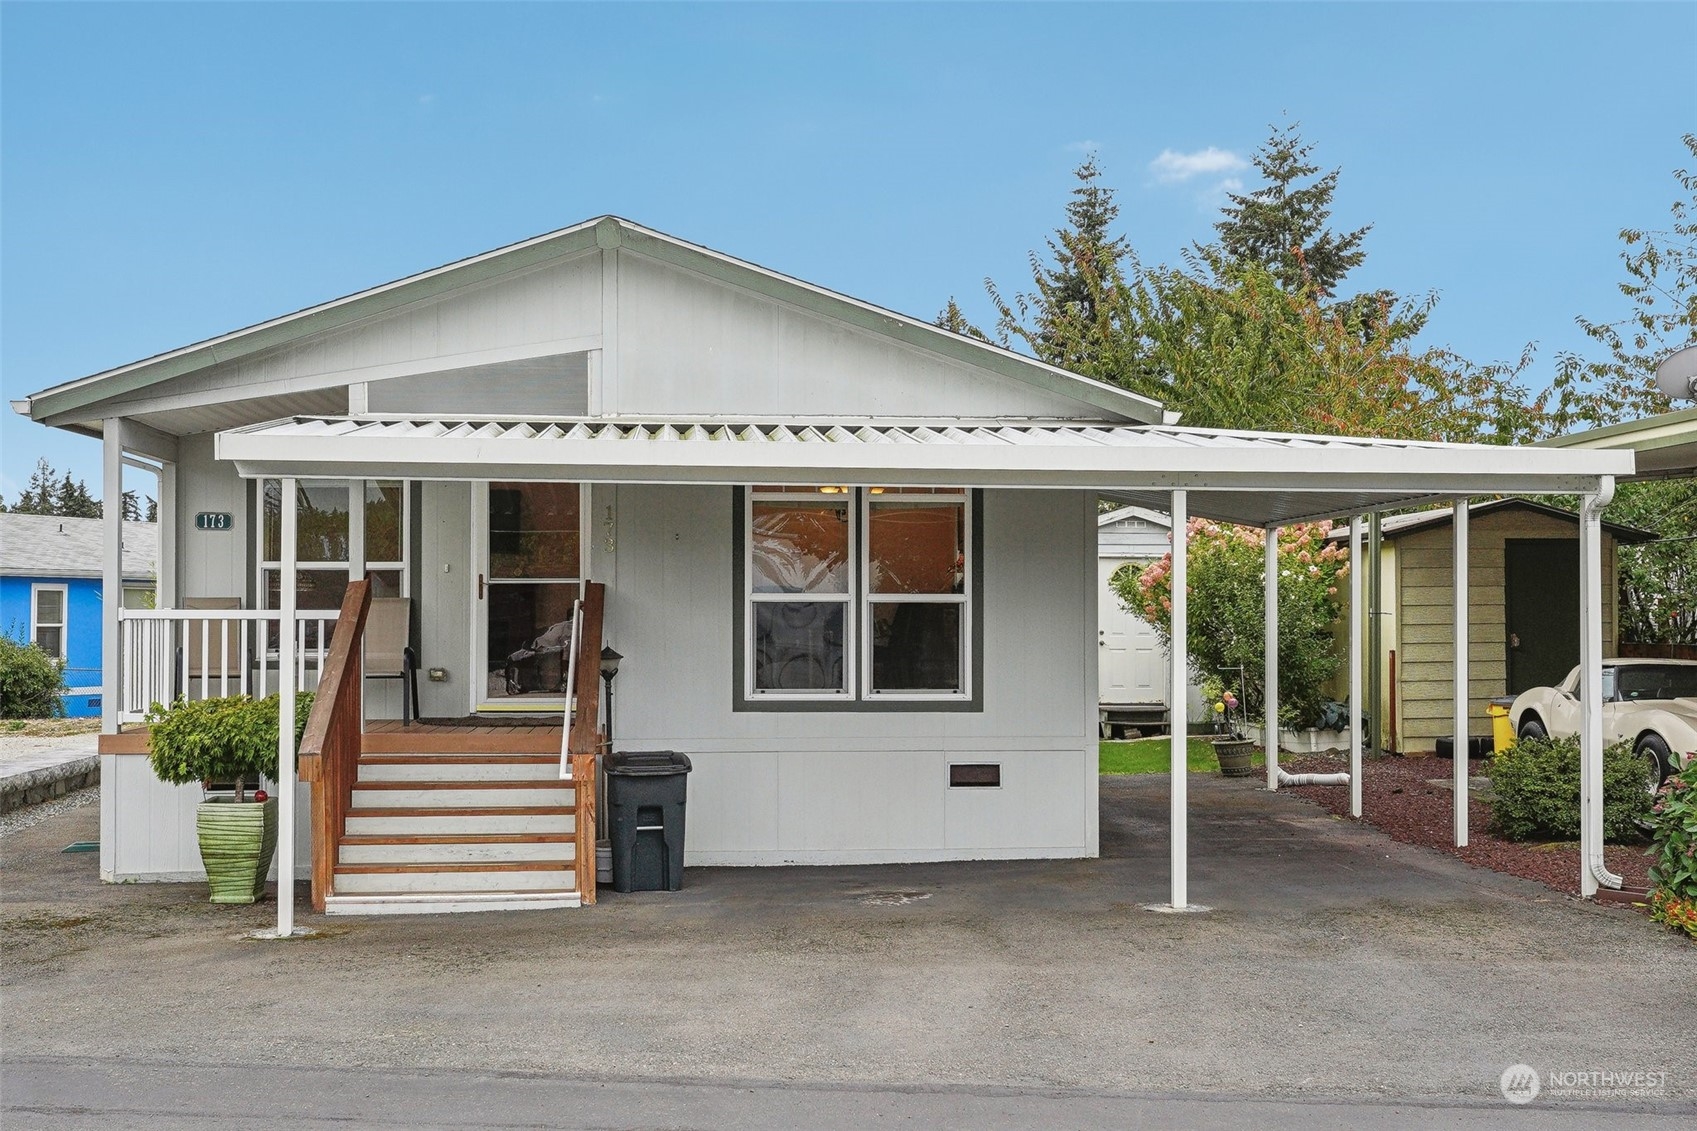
[457, 771]
[427, 798]
[450, 903]
[436, 826]
[452, 853]
[551, 880]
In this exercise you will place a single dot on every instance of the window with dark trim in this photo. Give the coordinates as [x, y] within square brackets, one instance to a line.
[857, 595]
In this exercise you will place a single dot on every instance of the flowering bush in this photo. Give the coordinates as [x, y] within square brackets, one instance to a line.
[1227, 623]
[1673, 877]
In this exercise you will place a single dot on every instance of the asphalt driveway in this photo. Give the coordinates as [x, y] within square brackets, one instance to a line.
[1336, 964]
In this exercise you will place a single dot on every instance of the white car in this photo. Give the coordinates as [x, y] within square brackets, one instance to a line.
[1649, 703]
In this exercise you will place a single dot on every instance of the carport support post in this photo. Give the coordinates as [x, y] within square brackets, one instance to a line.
[286, 628]
[1270, 681]
[1357, 567]
[111, 571]
[1458, 751]
[1176, 712]
[1593, 869]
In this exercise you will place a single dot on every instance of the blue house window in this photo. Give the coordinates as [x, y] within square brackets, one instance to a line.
[47, 619]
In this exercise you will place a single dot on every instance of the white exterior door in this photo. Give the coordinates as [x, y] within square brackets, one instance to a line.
[1129, 663]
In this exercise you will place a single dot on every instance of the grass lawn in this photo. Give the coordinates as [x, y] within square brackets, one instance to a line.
[1153, 756]
[49, 728]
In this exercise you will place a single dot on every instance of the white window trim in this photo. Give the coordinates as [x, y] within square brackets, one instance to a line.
[62, 624]
[857, 621]
[963, 598]
[846, 598]
[356, 540]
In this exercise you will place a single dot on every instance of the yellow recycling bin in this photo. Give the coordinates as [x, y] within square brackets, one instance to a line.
[1502, 727]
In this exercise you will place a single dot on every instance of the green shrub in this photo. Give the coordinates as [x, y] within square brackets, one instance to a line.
[228, 739]
[1537, 787]
[30, 682]
[1673, 877]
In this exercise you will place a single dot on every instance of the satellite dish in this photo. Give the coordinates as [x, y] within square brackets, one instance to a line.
[1677, 374]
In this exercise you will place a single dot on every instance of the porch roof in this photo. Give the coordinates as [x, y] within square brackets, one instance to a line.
[1250, 477]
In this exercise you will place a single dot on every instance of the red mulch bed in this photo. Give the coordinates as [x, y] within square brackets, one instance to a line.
[1398, 797]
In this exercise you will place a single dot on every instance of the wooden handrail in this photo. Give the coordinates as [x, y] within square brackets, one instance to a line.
[329, 753]
[584, 740]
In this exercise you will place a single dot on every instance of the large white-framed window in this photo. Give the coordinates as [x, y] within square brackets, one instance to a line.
[335, 540]
[857, 595]
[916, 589]
[798, 567]
[49, 610]
[531, 539]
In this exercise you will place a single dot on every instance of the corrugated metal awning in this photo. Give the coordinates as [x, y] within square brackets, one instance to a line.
[1250, 477]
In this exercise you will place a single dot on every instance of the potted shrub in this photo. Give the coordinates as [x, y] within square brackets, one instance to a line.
[1235, 752]
[232, 739]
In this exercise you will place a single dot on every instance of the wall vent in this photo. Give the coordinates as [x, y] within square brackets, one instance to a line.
[975, 775]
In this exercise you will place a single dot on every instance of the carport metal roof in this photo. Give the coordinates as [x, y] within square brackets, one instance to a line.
[1249, 477]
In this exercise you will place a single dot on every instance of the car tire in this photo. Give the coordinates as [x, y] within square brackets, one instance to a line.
[1532, 728]
[1658, 759]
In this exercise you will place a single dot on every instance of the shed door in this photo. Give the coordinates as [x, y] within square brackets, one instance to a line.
[1129, 658]
[1542, 582]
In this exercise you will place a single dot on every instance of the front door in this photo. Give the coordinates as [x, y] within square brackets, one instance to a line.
[530, 540]
[1542, 594]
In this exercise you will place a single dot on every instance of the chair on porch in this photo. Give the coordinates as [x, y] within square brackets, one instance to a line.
[219, 657]
[389, 653]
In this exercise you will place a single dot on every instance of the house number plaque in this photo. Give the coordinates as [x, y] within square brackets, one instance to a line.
[214, 520]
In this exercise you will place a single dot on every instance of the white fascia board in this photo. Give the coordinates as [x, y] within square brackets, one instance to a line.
[1401, 471]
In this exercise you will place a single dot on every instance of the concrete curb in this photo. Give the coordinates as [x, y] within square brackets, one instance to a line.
[32, 787]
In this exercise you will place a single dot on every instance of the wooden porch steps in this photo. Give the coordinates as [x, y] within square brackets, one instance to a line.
[456, 822]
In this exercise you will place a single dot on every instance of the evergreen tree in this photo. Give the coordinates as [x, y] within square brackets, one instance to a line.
[152, 509]
[39, 493]
[1282, 224]
[1065, 318]
[72, 500]
[950, 318]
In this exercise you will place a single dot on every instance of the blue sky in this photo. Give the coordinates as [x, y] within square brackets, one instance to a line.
[170, 172]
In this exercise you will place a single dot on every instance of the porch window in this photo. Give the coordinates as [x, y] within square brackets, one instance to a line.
[47, 619]
[857, 594]
[327, 529]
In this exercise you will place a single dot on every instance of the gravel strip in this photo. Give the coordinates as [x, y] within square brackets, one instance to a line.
[23, 818]
[1398, 797]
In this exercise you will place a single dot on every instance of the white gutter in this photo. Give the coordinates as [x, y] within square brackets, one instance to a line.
[1591, 676]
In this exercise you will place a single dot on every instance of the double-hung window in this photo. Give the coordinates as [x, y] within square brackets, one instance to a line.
[47, 619]
[859, 594]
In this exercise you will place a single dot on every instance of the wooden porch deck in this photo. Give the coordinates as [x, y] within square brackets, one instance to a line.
[470, 725]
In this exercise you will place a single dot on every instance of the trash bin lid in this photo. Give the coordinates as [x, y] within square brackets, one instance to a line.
[646, 763]
[1504, 701]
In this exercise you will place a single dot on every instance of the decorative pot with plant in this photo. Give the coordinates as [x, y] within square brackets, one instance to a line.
[1235, 752]
[232, 739]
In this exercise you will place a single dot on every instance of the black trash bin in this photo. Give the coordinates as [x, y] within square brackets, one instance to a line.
[646, 795]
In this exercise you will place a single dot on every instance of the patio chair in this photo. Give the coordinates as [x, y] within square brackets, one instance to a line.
[388, 651]
[216, 660]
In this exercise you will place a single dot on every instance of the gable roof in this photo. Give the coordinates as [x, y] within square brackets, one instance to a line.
[1120, 514]
[1398, 525]
[45, 545]
[605, 232]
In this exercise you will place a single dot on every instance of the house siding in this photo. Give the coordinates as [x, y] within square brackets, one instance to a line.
[1425, 632]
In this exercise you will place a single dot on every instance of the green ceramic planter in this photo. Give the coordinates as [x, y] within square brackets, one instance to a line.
[1236, 756]
[236, 845]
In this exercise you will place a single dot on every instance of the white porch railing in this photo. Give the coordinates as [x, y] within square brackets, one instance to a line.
[202, 653]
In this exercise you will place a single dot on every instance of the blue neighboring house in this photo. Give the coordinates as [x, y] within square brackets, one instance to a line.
[50, 580]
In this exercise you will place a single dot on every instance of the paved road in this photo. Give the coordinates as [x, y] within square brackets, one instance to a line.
[59, 1093]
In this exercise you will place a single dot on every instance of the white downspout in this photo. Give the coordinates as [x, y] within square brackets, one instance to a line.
[1356, 571]
[1180, 741]
[1594, 871]
[1270, 680]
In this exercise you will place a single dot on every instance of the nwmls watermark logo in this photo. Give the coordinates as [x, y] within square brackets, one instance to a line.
[1521, 1084]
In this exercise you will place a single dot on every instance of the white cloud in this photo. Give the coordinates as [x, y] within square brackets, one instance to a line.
[1085, 146]
[1172, 166]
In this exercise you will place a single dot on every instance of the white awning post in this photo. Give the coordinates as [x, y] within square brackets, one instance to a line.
[1593, 869]
[1458, 751]
[111, 569]
[286, 714]
[1270, 678]
[1180, 655]
[1357, 568]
